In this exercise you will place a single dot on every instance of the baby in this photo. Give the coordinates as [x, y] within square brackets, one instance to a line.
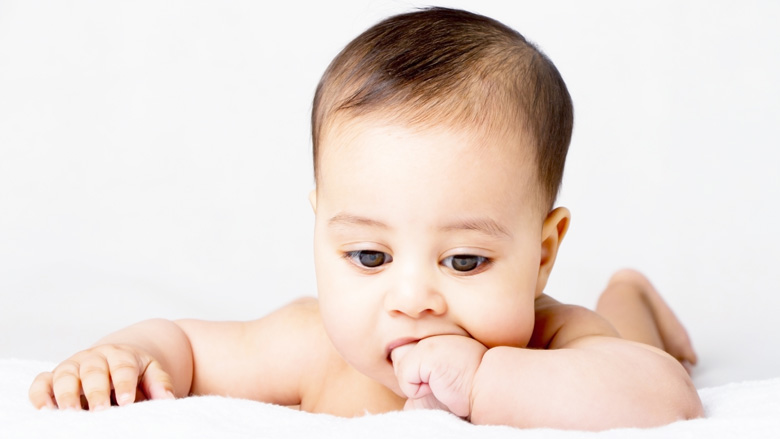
[440, 138]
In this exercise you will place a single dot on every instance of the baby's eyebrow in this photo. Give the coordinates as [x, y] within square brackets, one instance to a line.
[487, 226]
[348, 219]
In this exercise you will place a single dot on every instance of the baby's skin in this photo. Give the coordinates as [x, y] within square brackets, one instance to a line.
[432, 254]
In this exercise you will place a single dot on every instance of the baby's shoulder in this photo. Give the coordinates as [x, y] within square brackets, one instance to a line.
[556, 324]
[300, 319]
[296, 335]
[305, 308]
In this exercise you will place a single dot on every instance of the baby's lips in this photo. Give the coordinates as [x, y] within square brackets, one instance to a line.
[400, 352]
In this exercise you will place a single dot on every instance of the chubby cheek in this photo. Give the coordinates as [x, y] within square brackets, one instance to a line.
[504, 315]
[351, 317]
[346, 313]
[356, 336]
[339, 315]
[500, 327]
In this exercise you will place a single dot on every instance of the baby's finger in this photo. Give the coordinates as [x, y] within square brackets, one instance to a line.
[427, 402]
[156, 383]
[406, 366]
[124, 369]
[41, 393]
[95, 382]
[67, 385]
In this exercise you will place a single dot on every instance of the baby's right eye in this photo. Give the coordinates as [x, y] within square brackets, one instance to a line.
[369, 258]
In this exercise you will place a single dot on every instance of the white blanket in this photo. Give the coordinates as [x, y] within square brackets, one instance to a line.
[748, 409]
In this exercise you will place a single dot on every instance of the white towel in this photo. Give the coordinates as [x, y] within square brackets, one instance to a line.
[749, 409]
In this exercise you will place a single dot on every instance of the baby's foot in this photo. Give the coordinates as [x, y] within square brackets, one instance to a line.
[673, 334]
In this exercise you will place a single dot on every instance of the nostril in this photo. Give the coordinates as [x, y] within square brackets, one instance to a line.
[414, 301]
[415, 314]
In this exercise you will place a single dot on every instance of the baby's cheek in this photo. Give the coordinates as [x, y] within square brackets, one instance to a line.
[333, 317]
[505, 326]
[343, 325]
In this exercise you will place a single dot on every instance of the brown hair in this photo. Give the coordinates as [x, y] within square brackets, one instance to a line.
[442, 65]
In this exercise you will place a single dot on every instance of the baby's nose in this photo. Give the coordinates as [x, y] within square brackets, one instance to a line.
[415, 293]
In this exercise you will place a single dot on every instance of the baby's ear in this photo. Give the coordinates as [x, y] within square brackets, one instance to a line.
[313, 199]
[553, 230]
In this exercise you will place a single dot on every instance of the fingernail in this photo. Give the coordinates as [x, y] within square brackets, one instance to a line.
[124, 399]
[169, 395]
[100, 407]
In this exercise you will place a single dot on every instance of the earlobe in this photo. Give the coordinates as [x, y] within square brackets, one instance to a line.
[553, 230]
[313, 200]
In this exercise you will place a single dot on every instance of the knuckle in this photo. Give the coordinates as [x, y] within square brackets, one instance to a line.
[96, 395]
[88, 371]
[38, 394]
[124, 367]
[109, 349]
[67, 395]
[66, 383]
[124, 376]
[68, 365]
[42, 378]
[164, 378]
[61, 374]
[124, 385]
[157, 369]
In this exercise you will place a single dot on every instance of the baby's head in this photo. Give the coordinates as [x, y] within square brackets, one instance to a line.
[443, 67]
[440, 138]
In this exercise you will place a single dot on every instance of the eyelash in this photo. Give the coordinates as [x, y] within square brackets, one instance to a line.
[481, 263]
[354, 257]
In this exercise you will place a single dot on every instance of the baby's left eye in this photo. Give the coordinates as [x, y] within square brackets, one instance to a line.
[369, 258]
[464, 263]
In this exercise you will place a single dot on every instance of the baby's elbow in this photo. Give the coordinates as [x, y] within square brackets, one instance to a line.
[681, 400]
[689, 406]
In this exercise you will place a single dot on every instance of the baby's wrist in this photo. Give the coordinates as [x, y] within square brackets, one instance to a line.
[496, 379]
[481, 398]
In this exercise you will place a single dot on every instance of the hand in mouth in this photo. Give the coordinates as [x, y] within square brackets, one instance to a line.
[399, 348]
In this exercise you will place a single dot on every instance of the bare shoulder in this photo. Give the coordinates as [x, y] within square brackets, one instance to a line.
[298, 330]
[301, 319]
[301, 315]
[558, 324]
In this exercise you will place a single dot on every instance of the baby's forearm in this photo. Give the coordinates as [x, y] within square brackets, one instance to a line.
[595, 384]
[164, 341]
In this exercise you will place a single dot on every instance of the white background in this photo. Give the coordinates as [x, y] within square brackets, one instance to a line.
[154, 161]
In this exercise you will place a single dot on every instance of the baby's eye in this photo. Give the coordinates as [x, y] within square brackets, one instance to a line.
[464, 262]
[369, 258]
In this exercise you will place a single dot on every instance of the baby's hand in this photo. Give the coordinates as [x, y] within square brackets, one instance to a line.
[94, 372]
[438, 372]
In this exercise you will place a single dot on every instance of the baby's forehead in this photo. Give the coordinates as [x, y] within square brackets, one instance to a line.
[389, 147]
[486, 135]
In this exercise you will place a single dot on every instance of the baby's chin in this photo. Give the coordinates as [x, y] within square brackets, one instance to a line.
[383, 373]
[377, 369]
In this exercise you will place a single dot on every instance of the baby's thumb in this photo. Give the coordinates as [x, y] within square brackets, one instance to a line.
[156, 383]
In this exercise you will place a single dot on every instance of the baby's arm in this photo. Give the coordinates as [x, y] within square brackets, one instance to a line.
[160, 359]
[260, 360]
[583, 377]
